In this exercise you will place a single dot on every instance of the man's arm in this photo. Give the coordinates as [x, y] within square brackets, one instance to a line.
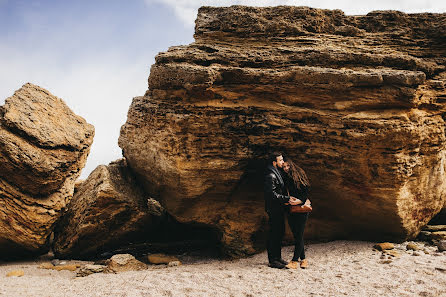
[271, 189]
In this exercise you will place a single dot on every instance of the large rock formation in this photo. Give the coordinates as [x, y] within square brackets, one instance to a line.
[43, 147]
[107, 210]
[357, 101]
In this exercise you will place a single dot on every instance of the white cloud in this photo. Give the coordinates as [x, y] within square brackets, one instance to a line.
[186, 10]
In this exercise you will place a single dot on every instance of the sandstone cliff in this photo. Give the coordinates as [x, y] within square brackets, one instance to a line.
[43, 147]
[357, 101]
[107, 210]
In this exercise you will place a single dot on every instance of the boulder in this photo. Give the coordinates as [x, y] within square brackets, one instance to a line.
[356, 101]
[107, 210]
[43, 147]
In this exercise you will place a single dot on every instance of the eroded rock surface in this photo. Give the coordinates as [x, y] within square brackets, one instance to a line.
[107, 210]
[43, 147]
[357, 101]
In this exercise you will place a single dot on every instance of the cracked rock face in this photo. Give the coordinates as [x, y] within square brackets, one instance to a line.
[43, 147]
[107, 210]
[357, 101]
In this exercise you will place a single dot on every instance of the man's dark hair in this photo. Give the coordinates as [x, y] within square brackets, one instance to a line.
[273, 157]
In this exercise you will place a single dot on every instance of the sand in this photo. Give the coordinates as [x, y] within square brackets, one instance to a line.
[339, 268]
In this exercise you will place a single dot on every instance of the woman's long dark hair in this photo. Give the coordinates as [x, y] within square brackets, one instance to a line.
[297, 174]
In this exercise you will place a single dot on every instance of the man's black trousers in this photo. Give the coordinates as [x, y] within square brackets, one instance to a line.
[276, 222]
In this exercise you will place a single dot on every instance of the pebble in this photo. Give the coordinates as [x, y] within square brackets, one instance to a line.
[412, 246]
[441, 245]
[161, 259]
[392, 253]
[415, 254]
[70, 267]
[17, 273]
[384, 246]
[174, 263]
[46, 266]
[90, 269]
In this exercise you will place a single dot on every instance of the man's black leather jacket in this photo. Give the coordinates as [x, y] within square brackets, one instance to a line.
[275, 191]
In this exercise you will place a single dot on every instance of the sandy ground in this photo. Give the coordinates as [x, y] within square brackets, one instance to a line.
[340, 268]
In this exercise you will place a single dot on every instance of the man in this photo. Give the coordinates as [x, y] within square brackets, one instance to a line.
[275, 198]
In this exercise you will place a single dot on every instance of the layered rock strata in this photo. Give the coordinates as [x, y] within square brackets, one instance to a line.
[107, 210]
[356, 101]
[43, 147]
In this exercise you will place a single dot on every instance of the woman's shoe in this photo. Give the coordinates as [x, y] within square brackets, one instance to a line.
[293, 265]
[304, 264]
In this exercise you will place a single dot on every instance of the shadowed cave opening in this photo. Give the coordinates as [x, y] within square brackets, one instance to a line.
[439, 218]
[167, 236]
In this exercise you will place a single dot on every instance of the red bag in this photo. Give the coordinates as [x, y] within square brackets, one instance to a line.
[300, 208]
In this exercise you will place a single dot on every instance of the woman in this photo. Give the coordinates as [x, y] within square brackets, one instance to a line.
[298, 186]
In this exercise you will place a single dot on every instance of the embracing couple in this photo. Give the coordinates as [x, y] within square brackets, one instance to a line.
[286, 193]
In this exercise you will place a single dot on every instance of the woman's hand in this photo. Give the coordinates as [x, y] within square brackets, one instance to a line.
[308, 202]
[294, 201]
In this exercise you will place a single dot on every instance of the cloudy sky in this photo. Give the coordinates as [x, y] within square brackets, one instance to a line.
[96, 55]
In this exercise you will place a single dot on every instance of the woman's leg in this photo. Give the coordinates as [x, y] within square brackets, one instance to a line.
[297, 225]
[302, 224]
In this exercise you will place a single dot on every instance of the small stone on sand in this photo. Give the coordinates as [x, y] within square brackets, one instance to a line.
[384, 246]
[17, 273]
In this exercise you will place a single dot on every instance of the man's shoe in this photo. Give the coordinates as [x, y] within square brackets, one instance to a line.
[293, 265]
[283, 261]
[304, 264]
[277, 264]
